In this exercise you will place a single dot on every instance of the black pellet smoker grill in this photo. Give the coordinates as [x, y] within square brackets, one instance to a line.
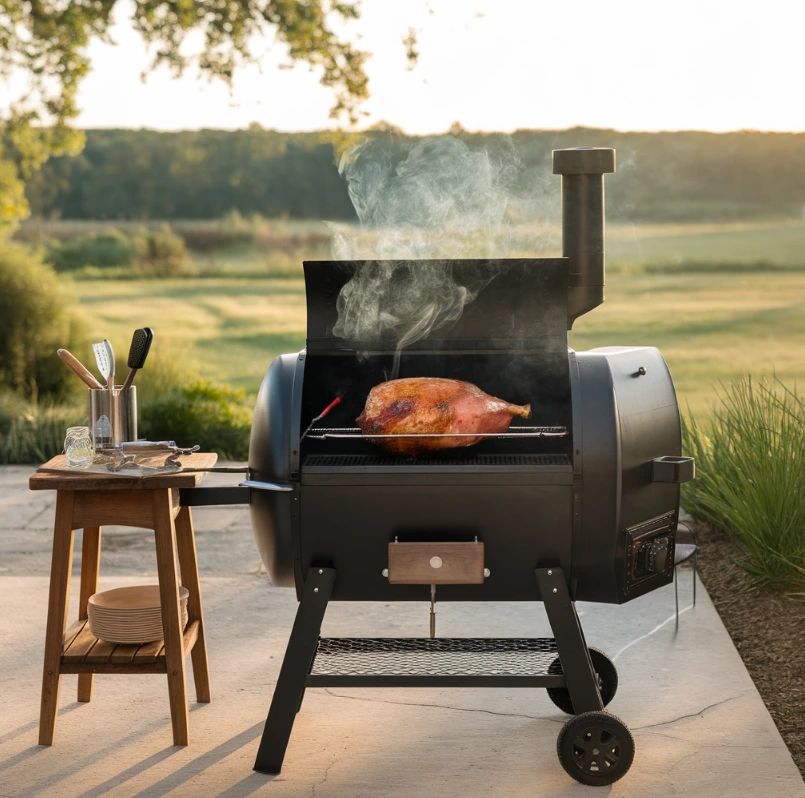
[580, 502]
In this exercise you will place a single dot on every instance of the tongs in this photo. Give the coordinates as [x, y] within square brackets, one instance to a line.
[126, 454]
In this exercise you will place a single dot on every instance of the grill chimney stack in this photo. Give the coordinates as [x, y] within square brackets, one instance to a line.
[583, 170]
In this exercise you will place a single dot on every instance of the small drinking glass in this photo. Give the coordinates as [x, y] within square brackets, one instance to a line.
[78, 447]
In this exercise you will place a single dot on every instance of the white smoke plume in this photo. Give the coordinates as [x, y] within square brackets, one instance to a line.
[440, 199]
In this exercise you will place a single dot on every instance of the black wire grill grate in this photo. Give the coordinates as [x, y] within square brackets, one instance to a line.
[348, 656]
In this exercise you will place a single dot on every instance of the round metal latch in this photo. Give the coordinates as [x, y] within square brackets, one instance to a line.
[435, 562]
[385, 572]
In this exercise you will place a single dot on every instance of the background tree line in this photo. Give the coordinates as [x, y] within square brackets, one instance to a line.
[204, 174]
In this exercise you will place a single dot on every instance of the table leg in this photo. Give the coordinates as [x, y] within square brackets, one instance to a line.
[90, 562]
[186, 548]
[165, 536]
[60, 572]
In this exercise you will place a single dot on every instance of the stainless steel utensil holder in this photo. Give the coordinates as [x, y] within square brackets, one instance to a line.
[112, 416]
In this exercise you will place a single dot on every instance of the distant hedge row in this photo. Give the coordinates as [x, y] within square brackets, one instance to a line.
[144, 174]
[155, 253]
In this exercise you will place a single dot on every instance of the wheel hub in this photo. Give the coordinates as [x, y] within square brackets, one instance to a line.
[596, 750]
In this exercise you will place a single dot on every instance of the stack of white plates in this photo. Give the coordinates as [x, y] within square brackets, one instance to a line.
[130, 614]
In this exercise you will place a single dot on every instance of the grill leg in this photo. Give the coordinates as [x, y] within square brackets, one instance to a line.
[576, 664]
[295, 668]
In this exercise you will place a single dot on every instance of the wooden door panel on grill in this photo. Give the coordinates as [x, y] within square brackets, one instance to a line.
[436, 563]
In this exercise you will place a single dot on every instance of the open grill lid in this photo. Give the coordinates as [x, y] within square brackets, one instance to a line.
[521, 303]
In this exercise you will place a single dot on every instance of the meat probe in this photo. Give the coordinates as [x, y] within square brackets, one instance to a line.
[334, 403]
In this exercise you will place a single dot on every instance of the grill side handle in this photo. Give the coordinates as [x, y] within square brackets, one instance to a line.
[673, 469]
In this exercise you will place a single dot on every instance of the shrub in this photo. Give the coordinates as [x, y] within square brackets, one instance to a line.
[750, 477]
[159, 253]
[37, 316]
[216, 417]
[212, 238]
[104, 249]
[12, 406]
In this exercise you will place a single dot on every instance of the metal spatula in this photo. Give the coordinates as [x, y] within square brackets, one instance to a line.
[105, 358]
[102, 359]
[110, 353]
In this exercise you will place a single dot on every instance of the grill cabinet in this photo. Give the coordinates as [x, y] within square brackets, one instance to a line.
[578, 503]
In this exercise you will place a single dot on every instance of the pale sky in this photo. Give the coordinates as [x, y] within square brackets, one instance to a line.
[501, 65]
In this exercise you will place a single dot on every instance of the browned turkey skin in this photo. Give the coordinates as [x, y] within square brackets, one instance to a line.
[434, 406]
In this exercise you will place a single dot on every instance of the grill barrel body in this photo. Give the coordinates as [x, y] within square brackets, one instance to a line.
[585, 511]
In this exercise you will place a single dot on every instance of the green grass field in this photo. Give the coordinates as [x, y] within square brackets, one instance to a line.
[781, 242]
[710, 325]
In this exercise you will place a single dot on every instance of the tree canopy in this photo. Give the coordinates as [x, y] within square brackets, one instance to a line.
[46, 42]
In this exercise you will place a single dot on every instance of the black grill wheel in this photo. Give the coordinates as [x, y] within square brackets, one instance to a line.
[595, 748]
[605, 671]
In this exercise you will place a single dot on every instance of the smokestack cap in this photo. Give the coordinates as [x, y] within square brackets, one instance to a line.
[584, 161]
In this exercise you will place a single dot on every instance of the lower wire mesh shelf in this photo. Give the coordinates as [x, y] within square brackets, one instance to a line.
[443, 657]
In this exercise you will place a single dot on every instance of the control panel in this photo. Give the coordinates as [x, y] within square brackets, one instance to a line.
[649, 549]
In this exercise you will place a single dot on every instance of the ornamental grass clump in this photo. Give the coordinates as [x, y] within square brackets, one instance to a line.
[750, 477]
[34, 432]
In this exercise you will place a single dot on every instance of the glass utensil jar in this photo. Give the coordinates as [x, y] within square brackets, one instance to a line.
[78, 447]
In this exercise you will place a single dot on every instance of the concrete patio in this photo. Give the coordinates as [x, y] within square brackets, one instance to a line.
[699, 724]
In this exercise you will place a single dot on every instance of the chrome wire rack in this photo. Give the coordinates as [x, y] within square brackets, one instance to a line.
[355, 433]
[435, 657]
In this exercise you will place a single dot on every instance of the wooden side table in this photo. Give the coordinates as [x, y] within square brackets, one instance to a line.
[90, 501]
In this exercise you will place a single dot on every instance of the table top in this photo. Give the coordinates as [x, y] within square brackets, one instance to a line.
[82, 480]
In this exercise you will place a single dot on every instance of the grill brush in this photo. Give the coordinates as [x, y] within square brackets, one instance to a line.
[138, 352]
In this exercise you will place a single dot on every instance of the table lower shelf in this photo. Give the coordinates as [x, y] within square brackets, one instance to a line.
[82, 652]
